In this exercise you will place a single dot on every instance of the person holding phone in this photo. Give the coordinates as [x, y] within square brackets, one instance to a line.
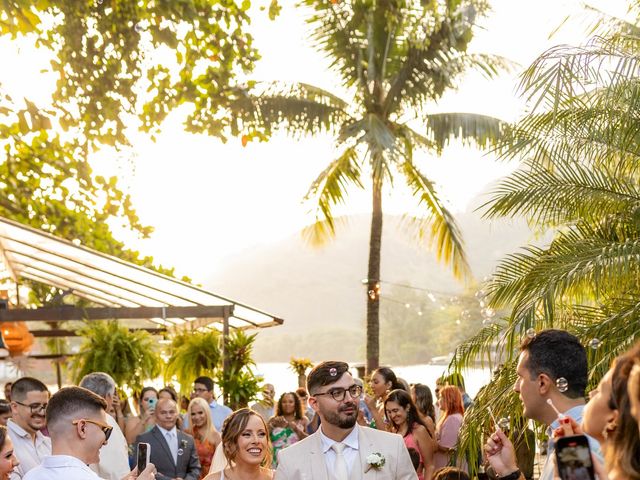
[544, 358]
[608, 418]
[146, 421]
[77, 423]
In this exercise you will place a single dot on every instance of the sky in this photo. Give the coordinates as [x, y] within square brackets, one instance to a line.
[209, 202]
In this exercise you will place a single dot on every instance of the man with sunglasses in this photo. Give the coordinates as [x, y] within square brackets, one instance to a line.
[77, 423]
[114, 456]
[341, 449]
[29, 397]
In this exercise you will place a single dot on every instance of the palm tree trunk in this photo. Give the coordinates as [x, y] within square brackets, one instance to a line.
[373, 299]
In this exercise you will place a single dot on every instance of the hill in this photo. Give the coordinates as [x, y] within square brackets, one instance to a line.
[320, 295]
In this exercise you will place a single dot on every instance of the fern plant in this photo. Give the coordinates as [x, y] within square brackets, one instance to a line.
[192, 354]
[130, 357]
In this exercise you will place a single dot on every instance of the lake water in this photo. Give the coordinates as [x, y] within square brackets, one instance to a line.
[285, 380]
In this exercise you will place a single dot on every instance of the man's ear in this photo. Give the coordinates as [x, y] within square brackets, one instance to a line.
[313, 403]
[81, 429]
[544, 384]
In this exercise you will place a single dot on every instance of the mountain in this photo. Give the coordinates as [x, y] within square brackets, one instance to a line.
[319, 291]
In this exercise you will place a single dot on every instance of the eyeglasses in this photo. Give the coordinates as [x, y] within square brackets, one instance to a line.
[338, 394]
[34, 407]
[106, 429]
[200, 390]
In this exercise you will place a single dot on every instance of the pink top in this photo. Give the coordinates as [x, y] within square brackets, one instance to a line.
[410, 442]
[447, 436]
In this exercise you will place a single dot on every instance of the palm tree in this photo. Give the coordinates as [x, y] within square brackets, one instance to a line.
[580, 179]
[394, 58]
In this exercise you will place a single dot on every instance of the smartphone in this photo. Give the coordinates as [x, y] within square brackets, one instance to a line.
[574, 458]
[152, 403]
[144, 452]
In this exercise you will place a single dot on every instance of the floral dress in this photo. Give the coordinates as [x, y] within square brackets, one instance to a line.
[282, 437]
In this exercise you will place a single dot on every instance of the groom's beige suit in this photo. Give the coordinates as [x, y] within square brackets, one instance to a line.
[305, 460]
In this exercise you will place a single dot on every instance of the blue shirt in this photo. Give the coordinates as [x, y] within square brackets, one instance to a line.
[219, 413]
[575, 413]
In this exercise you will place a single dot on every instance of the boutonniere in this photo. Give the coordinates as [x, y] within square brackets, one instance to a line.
[375, 461]
[183, 445]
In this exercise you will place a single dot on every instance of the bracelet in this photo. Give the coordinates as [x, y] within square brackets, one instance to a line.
[512, 476]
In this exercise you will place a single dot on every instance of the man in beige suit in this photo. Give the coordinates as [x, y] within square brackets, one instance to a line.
[340, 449]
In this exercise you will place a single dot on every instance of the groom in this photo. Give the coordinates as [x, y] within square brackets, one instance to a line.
[340, 449]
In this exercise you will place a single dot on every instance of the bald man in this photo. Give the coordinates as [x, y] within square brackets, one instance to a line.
[172, 451]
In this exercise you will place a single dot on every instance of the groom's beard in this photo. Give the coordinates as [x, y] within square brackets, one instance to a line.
[345, 417]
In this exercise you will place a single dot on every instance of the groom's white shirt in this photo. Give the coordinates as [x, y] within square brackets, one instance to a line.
[307, 460]
[350, 452]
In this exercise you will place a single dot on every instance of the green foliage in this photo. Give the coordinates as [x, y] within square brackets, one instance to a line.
[581, 178]
[193, 354]
[130, 357]
[300, 365]
[102, 58]
[239, 383]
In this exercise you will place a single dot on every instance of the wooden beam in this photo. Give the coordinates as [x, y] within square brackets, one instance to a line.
[56, 332]
[60, 314]
[52, 356]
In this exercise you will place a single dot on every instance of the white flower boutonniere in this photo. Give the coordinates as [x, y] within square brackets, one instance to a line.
[375, 461]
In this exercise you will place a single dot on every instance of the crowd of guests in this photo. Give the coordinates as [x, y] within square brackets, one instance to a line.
[324, 431]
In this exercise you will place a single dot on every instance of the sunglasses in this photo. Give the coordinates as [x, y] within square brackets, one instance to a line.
[106, 429]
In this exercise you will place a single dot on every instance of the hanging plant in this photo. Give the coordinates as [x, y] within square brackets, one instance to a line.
[130, 357]
[193, 354]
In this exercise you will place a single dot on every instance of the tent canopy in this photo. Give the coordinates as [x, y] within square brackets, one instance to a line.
[28, 253]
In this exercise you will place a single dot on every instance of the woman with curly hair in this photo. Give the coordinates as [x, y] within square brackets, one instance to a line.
[246, 447]
[289, 424]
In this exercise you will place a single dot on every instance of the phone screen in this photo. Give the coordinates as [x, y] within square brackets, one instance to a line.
[143, 456]
[574, 458]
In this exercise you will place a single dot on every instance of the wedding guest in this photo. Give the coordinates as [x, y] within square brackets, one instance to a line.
[205, 435]
[422, 397]
[544, 359]
[135, 426]
[29, 400]
[288, 425]
[203, 388]
[303, 395]
[607, 418]
[403, 417]
[383, 380]
[77, 423]
[173, 452]
[634, 391]
[168, 392]
[5, 412]
[266, 406]
[245, 443]
[448, 426]
[114, 464]
[8, 459]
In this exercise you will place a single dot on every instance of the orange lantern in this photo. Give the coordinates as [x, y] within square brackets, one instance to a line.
[16, 338]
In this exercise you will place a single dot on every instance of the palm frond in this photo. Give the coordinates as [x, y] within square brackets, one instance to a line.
[470, 128]
[297, 108]
[329, 189]
[562, 194]
[438, 225]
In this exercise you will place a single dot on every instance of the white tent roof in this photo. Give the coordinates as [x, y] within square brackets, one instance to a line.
[106, 280]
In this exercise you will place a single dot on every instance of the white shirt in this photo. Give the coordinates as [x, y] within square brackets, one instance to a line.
[29, 454]
[114, 456]
[61, 467]
[171, 436]
[350, 451]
